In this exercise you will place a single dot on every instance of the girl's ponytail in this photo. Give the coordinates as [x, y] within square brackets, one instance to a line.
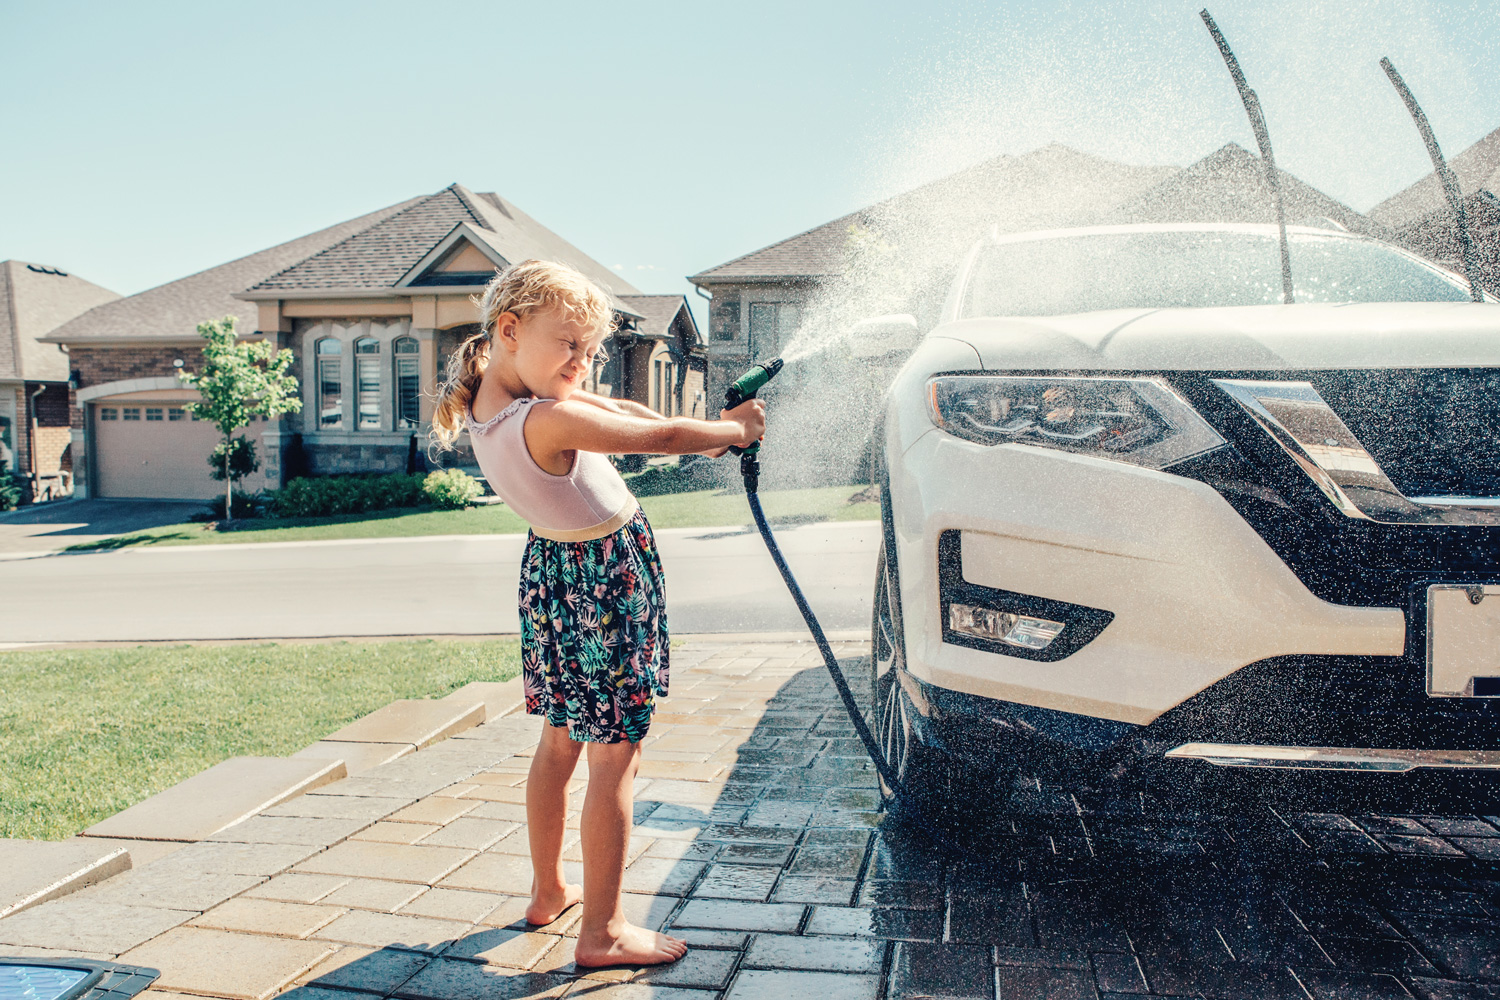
[465, 368]
[521, 289]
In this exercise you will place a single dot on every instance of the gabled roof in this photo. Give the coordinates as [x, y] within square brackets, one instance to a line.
[174, 310]
[658, 313]
[1477, 169]
[1049, 187]
[1229, 185]
[34, 299]
[384, 254]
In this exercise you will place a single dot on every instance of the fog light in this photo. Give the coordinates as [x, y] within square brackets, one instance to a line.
[1003, 626]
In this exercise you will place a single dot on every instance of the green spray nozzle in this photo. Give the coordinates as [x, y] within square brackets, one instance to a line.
[744, 388]
[747, 385]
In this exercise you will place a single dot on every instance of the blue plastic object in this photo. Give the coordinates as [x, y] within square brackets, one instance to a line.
[71, 979]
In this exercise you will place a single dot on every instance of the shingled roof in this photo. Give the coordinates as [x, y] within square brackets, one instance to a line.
[34, 299]
[1477, 170]
[1229, 185]
[657, 313]
[381, 255]
[1046, 188]
[174, 310]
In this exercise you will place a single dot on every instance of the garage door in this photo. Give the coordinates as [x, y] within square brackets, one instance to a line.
[153, 449]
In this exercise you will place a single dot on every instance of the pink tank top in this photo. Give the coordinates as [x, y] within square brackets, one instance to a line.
[591, 501]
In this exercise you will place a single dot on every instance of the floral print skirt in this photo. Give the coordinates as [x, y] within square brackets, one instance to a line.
[594, 643]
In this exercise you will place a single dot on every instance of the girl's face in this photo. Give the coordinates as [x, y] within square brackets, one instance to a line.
[553, 353]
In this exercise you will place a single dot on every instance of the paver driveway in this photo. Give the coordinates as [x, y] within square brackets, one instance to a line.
[756, 839]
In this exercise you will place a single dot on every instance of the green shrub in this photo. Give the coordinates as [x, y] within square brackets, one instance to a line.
[324, 496]
[10, 491]
[242, 460]
[451, 489]
[245, 505]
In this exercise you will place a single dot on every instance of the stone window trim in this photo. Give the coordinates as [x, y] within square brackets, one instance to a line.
[384, 333]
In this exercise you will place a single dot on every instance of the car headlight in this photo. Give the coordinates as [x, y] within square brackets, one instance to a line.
[1137, 420]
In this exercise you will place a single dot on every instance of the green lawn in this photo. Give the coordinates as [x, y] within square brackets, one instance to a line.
[89, 732]
[697, 509]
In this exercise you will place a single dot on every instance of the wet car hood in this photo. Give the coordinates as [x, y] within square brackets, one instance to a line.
[1244, 338]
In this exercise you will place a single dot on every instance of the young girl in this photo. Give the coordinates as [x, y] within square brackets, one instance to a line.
[594, 643]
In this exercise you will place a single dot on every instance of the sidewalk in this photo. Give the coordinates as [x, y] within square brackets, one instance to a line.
[757, 839]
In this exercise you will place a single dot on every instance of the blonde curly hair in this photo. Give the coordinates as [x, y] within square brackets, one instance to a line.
[521, 289]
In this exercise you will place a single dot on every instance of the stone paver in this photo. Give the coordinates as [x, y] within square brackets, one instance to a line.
[218, 797]
[357, 757]
[413, 721]
[366, 969]
[218, 963]
[308, 831]
[373, 894]
[86, 925]
[498, 697]
[758, 840]
[389, 930]
[34, 871]
[267, 916]
[397, 862]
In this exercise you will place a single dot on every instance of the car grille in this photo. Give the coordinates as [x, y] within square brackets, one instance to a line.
[1432, 433]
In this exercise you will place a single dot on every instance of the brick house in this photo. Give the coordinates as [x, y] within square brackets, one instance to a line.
[759, 301]
[34, 425]
[371, 310]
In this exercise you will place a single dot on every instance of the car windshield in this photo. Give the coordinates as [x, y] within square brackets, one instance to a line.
[1195, 269]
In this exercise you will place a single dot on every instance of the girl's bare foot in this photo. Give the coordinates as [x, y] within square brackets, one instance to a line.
[631, 946]
[548, 906]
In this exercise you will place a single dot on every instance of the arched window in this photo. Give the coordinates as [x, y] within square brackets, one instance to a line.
[408, 383]
[367, 384]
[330, 383]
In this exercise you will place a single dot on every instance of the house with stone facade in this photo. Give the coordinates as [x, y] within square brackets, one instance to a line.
[371, 309]
[34, 424]
[759, 301]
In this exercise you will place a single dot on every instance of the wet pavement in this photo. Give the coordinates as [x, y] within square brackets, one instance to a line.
[758, 839]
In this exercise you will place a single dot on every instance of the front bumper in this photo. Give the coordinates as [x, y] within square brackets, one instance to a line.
[1195, 592]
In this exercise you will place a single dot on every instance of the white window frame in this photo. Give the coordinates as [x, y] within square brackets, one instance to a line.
[322, 362]
[406, 364]
[367, 367]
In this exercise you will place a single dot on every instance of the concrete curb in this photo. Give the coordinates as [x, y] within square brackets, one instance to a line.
[834, 635]
[738, 529]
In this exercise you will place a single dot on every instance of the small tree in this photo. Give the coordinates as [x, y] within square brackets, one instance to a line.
[239, 381]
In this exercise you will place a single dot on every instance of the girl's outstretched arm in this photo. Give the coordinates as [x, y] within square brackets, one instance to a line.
[629, 407]
[556, 428]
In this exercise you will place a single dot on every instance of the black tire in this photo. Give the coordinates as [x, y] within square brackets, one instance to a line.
[927, 775]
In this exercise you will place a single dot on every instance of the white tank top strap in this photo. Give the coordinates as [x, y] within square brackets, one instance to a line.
[475, 427]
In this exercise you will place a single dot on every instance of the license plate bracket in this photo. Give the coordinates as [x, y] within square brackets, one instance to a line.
[1463, 640]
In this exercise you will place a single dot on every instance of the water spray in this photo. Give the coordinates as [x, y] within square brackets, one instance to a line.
[742, 390]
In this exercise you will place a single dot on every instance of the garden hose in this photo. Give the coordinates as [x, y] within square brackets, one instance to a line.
[745, 389]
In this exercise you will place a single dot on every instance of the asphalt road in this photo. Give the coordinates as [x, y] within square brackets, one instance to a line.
[718, 580]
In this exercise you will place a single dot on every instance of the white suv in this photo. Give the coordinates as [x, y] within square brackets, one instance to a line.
[1139, 512]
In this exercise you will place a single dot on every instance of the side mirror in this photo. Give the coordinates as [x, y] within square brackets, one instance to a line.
[877, 336]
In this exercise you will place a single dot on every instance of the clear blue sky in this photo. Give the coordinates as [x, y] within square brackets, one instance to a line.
[145, 141]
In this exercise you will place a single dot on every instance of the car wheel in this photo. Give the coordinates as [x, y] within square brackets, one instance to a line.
[925, 773]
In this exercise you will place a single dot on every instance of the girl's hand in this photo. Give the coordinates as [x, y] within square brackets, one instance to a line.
[750, 415]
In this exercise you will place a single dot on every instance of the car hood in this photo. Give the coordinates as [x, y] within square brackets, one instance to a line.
[1250, 338]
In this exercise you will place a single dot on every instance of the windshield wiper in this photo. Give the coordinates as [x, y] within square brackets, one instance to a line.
[1445, 175]
[1263, 140]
